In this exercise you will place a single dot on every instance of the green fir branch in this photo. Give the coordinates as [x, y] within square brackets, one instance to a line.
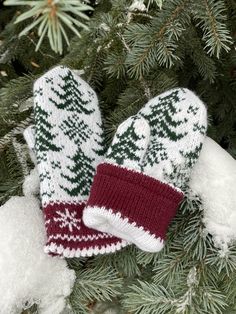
[210, 16]
[157, 41]
[92, 284]
[124, 262]
[16, 91]
[19, 129]
[193, 46]
[52, 18]
[146, 298]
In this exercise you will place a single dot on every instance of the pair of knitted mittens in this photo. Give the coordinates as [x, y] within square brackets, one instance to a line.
[139, 185]
[67, 140]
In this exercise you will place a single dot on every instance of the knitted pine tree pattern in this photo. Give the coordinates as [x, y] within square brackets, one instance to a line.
[148, 167]
[80, 175]
[64, 113]
[177, 128]
[68, 147]
[178, 124]
[129, 144]
[68, 95]
[44, 131]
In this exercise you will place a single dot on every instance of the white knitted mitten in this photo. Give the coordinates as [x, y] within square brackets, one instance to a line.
[68, 147]
[138, 187]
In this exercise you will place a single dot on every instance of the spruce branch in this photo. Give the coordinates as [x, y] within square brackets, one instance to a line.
[205, 64]
[124, 262]
[212, 300]
[12, 94]
[52, 18]
[11, 183]
[229, 287]
[210, 16]
[98, 284]
[144, 258]
[170, 268]
[115, 65]
[146, 298]
[94, 284]
[7, 138]
[10, 188]
[199, 298]
[21, 155]
[157, 41]
[195, 240]
[224, 259]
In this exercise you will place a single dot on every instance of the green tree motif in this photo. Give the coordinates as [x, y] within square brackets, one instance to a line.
[44, 134]
[100, 140]
[71, 96]
[160, 117]
[80, 175]
[126, 146]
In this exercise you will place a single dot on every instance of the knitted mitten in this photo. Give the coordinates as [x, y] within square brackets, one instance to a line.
[68, 147]
[137, 189]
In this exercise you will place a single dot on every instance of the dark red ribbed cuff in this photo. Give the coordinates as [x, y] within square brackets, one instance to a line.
[149, 203]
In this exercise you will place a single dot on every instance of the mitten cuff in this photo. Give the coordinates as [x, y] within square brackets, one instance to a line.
[131, 205]
[69, 237]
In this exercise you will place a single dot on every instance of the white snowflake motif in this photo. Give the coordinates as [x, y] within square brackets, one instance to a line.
[68, 219]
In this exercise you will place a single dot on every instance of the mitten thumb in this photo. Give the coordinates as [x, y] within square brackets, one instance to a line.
[130, 144]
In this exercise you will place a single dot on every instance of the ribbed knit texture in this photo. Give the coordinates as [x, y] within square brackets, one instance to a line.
[162, 142]
[68, 147]
[137, 194]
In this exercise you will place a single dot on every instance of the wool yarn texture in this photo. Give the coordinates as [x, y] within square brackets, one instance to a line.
[68, 146]
[140, 184]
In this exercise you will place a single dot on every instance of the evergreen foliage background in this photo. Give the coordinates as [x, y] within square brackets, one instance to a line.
[129, 56]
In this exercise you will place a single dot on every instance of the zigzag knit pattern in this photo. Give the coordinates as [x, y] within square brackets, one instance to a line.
[151, 157]
[68, 147]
